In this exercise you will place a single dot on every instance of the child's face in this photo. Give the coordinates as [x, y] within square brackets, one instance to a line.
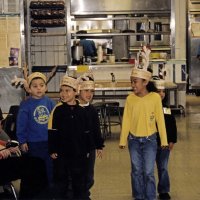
[67, 95]
[37, 88]
[138, 85]
[86, 96]
[161, 92]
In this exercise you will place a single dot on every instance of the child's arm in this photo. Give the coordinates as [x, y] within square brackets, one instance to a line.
[22, 121]
[125, 126]
[99, 141]
[161, 123]
[53, 136]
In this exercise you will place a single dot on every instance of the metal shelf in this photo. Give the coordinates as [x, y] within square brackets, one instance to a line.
[9, 14]
[106, 18]
[117, 34]
[48, 51]
[47, 34]
[61, 68]
[153, 48]
[49, 45]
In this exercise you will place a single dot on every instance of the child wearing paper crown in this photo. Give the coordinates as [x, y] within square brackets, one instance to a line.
[86, 92]
[142, 116]
[68, 145]
[162, 156]
[32, 121]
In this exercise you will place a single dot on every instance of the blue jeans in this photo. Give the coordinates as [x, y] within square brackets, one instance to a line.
[143, 155]
[162, 159]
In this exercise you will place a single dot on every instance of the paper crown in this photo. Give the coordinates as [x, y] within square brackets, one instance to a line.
[140, 73]
[160, 84]
[141, 65]
[87, 82]
[69, 81]
[36, 75]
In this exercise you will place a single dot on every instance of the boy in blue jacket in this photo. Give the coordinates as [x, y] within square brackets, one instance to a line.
[32, 121]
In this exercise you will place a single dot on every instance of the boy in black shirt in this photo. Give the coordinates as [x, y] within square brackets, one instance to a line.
[68, 145]
[86, 92]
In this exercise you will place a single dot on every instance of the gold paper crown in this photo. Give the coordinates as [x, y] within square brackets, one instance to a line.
[160, 84]
[141, 65]
[87, 82]
[36, 75]
[87, 85]
[69, 81]
[141, 73]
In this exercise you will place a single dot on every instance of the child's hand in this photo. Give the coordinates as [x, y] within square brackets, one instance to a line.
[165, 147]
[121, 147]
[99, 153]
[171, 145]
[54, 156]
[24, 147]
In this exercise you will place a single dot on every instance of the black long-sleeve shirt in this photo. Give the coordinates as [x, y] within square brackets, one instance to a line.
[171, 129]
[94, 126]
[68, 131]
[1, 115]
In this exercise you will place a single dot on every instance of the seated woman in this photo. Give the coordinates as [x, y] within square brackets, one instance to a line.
[30, 170]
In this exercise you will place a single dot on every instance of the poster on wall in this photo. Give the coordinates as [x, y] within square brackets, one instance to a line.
[10, 41]
[14, 55]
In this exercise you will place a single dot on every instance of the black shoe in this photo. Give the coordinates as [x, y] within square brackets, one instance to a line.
[164, 196]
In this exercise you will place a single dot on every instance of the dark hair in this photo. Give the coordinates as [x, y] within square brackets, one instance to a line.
[151, 87]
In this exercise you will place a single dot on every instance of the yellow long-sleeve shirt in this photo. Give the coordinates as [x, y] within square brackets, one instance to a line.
[141, 114]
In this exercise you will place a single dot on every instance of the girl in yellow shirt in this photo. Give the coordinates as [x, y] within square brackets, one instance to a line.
[142, 118]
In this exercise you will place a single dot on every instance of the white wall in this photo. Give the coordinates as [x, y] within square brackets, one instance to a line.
[180, 29]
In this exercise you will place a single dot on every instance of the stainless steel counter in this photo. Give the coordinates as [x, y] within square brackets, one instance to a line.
[120, 90]
[123, 86]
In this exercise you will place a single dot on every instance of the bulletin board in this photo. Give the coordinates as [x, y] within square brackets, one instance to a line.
[10, 41]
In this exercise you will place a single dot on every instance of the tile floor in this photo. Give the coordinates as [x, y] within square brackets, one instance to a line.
[112, 173]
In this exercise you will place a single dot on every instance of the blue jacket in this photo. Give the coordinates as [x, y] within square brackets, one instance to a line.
[32, 119]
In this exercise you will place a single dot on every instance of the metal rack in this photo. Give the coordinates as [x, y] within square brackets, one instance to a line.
[48, 48]
[116, 23]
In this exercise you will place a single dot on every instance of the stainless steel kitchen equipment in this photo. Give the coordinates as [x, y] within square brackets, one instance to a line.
[138, 23]
[193, 50]
[116, 6]
[77, 54]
